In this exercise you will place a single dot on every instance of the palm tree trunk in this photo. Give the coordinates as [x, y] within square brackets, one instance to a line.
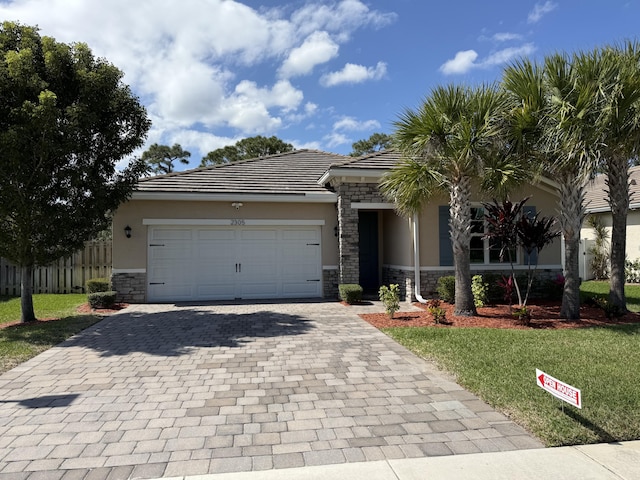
[26, 294]
[571, 216]
[461, 239]
[618, 184]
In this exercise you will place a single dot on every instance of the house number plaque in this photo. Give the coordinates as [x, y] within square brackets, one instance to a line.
[237, 221]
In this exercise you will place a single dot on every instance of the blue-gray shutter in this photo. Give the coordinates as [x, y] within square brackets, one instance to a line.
[446, 250]
[533, 258]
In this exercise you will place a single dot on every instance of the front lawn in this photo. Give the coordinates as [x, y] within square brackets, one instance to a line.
[601, 288]
[46, 305]
[21, 342]
[499, 366]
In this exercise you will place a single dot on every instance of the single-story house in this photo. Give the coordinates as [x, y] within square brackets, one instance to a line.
[596, 204]
[291, 225]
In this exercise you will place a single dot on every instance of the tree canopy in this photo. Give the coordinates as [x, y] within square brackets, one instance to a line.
[375, 143]
[252, 147]
[160, 158]
[66, 120]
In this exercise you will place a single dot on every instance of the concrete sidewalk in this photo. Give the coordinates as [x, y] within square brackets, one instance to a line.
[614, 461]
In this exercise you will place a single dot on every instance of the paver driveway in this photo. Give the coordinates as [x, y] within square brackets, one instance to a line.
[162, 390]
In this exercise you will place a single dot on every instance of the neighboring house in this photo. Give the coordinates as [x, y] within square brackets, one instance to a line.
[596, 204]
[292, 225]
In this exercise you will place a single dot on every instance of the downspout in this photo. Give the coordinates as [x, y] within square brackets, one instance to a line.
[416, 258]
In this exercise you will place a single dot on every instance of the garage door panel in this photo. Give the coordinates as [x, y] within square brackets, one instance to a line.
[301, 290]
[217, 235]
[171, 234]
[219, 263]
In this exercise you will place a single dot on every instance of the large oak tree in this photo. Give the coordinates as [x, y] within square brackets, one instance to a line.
[66, 120]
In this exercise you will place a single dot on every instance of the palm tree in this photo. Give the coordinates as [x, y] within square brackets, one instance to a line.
[616, 116]
[455, 138]
[543, 98]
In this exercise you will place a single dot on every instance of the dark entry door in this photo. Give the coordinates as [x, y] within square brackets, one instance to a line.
[369, 268]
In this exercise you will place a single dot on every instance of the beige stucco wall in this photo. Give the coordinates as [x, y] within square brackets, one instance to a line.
[131, 253]
[633, 232]
[544, 201]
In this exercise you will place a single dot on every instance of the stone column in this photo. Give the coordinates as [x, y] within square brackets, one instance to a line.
[348, 239]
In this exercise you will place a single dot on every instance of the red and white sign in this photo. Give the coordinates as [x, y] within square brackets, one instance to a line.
[559, 389]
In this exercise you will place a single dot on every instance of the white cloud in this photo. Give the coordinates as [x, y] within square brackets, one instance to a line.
[207, 63]
[508, 54]
[506, 37]
[350, 123]
[352, 73]
[461, 63]
[335, 139]
[540, 10]
[341, 19]
[466, 60]
[318, 48]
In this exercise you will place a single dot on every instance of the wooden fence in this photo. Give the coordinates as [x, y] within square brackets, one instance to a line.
[67, 275]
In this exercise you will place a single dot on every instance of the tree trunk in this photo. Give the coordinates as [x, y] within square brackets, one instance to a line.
[461, 239]
[26, 294]
[618, 185]
[571, 215]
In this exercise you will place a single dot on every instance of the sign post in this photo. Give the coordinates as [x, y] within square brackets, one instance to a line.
[558, 389]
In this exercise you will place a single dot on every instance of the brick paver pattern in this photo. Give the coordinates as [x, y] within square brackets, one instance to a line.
[185, 390]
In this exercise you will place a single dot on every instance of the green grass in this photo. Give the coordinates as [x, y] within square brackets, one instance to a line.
[45, 306]
[601, 288]
[499, 366]
[22, 342]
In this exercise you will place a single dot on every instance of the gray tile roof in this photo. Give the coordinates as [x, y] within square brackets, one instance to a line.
[294, 173]
[379, 160]
[595, 198]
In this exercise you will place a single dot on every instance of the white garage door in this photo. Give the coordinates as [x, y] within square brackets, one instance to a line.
[222, 263]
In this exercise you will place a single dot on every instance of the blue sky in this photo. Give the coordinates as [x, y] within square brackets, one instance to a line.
[319, 74]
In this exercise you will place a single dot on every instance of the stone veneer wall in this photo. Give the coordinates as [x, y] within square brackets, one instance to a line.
[330, 280]
[131, 287]
[348, 221]
[429, 280]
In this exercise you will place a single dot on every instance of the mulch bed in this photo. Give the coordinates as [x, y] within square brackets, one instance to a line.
[543, 316]
[84, 308]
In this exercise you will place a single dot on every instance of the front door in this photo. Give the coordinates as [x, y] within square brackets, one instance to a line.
[368, 247]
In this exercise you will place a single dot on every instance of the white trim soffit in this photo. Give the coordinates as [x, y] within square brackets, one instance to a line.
[328, 197]
[230, 222]
[128, 270]
[351, 172]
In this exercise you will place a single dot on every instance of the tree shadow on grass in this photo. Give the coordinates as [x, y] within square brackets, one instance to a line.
[176, 332]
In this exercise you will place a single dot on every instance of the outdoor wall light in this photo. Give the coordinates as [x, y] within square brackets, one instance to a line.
[236, 205]
[127, 231]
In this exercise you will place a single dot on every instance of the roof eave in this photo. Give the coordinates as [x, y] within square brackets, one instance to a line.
[328, 197]
[351, 172]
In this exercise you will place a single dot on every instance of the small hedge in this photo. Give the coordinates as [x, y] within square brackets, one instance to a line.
[446, 288]
[102, 299]
[96, 285]
[350, 292]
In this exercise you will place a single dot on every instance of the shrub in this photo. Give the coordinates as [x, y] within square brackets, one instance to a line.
[350, 292]
[96, 285]
[446, 288]
[480, 290]
[494, 292]
[102, 299]
[611, 310]
[632, 271]
[390, 298]
[438, 313]
[553, 288]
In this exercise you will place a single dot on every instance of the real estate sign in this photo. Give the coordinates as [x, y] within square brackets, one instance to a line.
[558, 389]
